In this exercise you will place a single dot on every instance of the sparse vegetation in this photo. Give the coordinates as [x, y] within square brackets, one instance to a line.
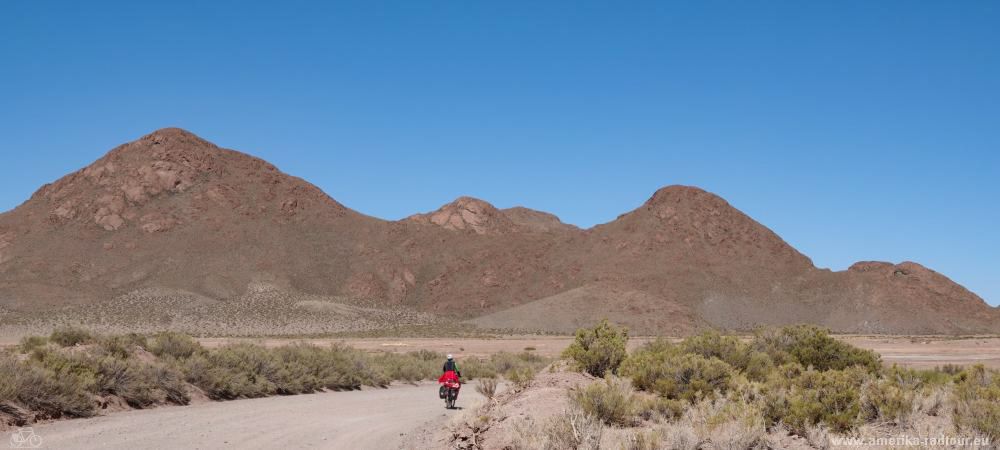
[68, 373]
[765, 391]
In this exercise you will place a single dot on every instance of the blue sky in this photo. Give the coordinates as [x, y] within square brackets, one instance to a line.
[857, 130]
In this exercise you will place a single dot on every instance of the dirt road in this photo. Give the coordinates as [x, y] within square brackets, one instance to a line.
[375, 419]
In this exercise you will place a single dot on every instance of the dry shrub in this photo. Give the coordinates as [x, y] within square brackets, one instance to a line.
[977, 401]
[487, 387]
[521, 378]
[572, 429]
[175, 345]
[731, 424]
[29, 343]
[53, 395]
[70, 336]
[612, 401]
[130, 380]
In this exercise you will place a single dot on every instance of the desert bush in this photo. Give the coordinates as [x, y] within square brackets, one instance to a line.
[51, 394]
[29, 343]
[487, 387]
[598, 350]
[812, 346]
[521, 377]
[134, 382]
[175, 345]
[9, 368]
[729, 349]
[887, 400]
[977, 401]
[70, 336]
[612, 401]
[171, 382]
[573, 429]
[830, 398]
[682, 376]
[661, 408]
[120, 346]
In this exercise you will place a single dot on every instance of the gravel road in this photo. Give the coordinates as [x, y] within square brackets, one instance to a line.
[372, 418]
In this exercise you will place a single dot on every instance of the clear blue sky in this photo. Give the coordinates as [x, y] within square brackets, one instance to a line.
[856, 130]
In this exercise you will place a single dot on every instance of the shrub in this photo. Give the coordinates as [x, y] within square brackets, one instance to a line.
[598, 350]
[121, 346]
[51, 394]
[573, 429]
[977, 395]
[70, 336]
[659, 407]
[176, 345]
[29, 343]
[830, 398]
[886, 400]
[134, 382]
[521, 378]
[729, 349]
[677, 376]
[487, 387]
[9, 368]
[812, 346]
[612, 401]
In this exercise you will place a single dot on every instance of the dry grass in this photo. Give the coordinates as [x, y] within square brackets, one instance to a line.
[487, 387]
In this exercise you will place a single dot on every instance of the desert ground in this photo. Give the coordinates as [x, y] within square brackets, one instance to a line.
[365, 419]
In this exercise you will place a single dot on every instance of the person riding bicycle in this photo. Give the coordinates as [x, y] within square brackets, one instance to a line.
[451, 372]
[451, 365]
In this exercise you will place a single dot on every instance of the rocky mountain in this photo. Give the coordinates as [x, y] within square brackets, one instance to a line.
[176, 215]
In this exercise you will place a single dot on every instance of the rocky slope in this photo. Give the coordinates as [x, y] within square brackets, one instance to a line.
[175, 213]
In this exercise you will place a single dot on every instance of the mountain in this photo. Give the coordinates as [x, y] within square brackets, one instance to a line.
[171, 231]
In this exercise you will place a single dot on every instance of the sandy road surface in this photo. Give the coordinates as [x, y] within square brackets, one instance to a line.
[375, 419]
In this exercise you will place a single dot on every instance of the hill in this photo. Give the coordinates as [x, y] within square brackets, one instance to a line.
[172, 231]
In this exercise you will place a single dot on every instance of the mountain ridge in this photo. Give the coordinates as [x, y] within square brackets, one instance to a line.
[173, 211]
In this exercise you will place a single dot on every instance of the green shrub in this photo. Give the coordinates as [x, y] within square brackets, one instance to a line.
[53, 395]
[176, 345]
[977, 398]
[812, 346]
[680, 376]
[29, 343]
[598, 350]
[521, 377]
[70, 336]
[887, 400]
[729, 349]
[831, 398]
[612, 401]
